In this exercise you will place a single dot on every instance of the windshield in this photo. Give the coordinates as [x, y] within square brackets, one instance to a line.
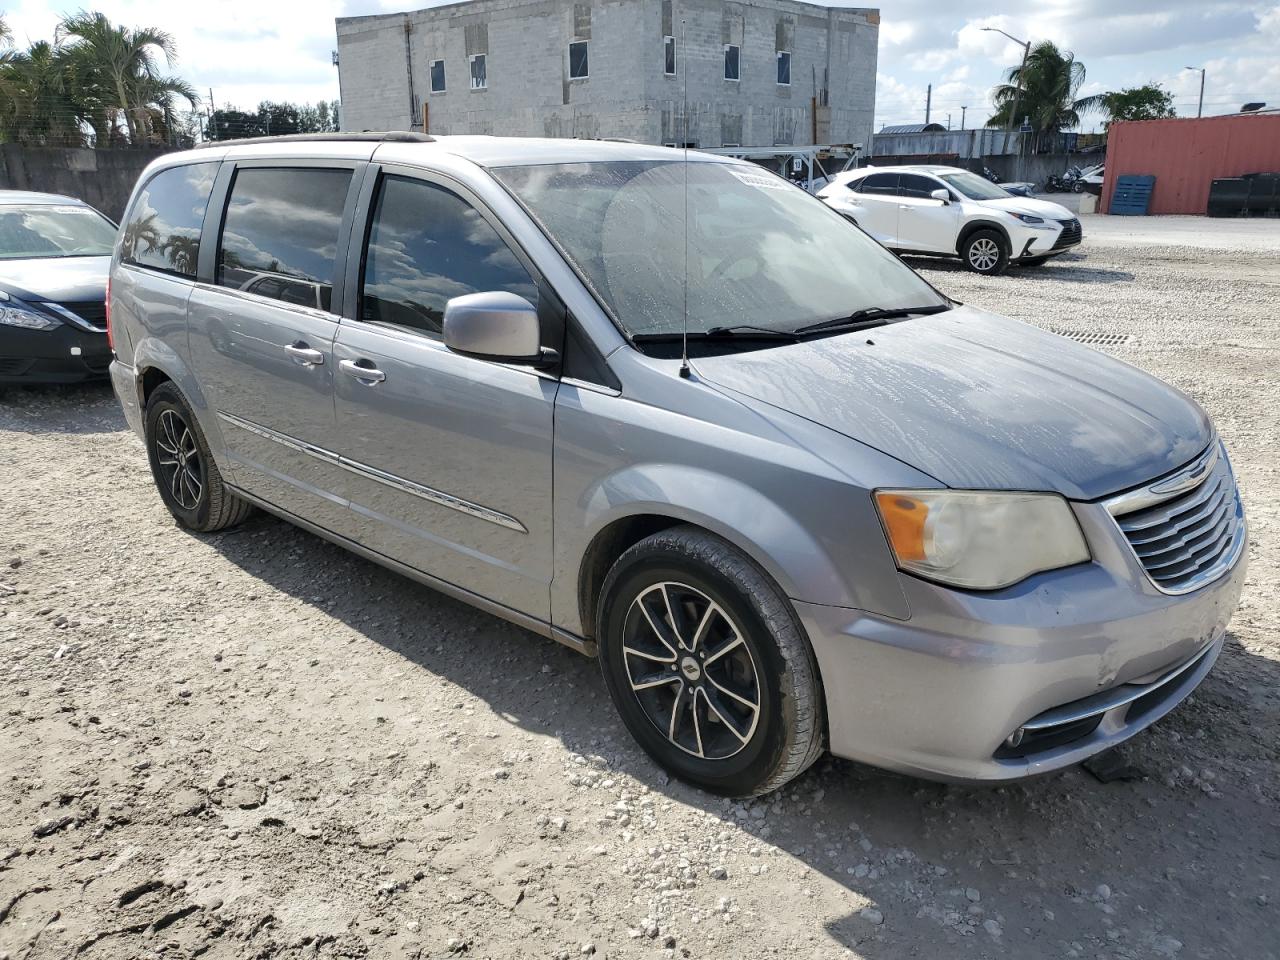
[54, 230]
[975, 187]
[761, 251]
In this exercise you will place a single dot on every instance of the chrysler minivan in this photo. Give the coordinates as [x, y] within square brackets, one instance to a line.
[674, 412]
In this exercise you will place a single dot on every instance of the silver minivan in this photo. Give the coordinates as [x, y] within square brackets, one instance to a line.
[677, 414]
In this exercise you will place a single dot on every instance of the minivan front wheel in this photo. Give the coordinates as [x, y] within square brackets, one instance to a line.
[186, 476]
[985, 251]
[707, 664]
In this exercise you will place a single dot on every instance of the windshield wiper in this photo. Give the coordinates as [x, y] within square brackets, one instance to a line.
[743, 331]
[870, 317]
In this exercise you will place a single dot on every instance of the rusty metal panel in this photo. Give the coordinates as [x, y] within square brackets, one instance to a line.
[1187, 155]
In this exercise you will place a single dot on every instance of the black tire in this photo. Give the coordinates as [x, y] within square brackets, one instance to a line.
[1077, 187]
[985, 252]
[186, 476]
[742, 753]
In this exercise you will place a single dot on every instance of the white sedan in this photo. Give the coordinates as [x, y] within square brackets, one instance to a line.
[950, 212]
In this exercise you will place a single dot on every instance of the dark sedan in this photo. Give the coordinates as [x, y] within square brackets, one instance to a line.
[54, 256]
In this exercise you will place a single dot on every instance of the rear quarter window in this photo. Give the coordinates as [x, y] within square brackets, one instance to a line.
[162, 229]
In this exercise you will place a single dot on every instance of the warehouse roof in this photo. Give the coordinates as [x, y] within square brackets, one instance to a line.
[915, 128]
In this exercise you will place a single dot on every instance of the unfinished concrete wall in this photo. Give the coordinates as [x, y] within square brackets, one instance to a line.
[627, 94]
[102, 178]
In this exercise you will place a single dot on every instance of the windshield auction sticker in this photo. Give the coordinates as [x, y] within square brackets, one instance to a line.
[761, 181]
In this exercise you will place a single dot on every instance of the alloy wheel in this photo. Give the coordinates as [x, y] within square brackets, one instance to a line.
[984, 254]
[179, 460]
[691, 670]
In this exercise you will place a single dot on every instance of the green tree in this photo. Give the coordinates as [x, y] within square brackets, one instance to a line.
[1047, 92]
[118, 75]
[273, 119]
[35, 106]
[1148, 102]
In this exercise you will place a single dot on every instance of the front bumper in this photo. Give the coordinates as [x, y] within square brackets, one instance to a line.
[1073, 661]
[64, 354]
[1029, 244]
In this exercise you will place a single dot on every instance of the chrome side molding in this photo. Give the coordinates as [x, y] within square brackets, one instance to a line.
[429, 494]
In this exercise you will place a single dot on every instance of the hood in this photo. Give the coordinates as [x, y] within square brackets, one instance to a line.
[56, 279]
[1037, 208]
[980, 402]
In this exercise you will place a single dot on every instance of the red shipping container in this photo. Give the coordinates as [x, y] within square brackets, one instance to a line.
[1186, 154]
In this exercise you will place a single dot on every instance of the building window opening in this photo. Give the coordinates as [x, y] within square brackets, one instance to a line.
[479, 79]
[731, 53]
[669, 56]
[578, 60]
[437, 76]
[784, 68]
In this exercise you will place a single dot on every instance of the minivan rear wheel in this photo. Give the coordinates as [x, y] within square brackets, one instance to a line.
[186, 476]
[708, 665]
[985, 251]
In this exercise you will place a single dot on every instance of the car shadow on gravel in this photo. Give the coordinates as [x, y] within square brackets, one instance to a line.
[1064, 269]
[1044, 867]
[61, 408]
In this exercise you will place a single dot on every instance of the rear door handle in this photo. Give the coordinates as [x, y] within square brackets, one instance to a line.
[306, 355]
[358, 369]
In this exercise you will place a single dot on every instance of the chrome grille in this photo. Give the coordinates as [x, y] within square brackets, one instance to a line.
[1187, 538]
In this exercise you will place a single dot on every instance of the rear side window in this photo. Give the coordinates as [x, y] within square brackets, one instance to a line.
[426, 246]
[280, 235]
[914, 185]
[162, 230]
[878, 183]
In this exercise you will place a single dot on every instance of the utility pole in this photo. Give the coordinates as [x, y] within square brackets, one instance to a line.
[1200, 109]
[962, 112]
[1017, 90]
[928, 103]
[213, 117]
[948, 121]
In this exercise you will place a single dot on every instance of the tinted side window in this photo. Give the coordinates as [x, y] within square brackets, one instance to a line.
[280, 235]
[427, 245]
[162, 230]
[914, 185]
[879, 183]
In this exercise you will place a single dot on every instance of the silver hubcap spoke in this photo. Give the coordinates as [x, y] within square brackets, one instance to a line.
[179, 460]
[691, 671]
[984, 254]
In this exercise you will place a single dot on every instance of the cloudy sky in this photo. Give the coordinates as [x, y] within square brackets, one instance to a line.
[280, 49]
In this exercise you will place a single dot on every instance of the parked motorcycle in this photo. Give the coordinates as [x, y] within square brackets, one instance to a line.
[1068, 182]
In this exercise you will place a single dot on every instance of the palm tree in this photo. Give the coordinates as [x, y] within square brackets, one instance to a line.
[1046, 91]
[35, 107]
[121, 64]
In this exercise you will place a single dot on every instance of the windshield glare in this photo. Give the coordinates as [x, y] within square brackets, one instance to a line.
[760, 251]
[54, 230]
[975, 187]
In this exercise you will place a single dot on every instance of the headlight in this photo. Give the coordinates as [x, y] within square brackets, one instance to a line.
[982, 541]
[1027, 218]
[27, 319]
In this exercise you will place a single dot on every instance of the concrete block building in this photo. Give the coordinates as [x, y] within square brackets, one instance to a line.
[759, 73]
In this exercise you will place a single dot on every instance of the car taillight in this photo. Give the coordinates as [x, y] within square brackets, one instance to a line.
[107, 304]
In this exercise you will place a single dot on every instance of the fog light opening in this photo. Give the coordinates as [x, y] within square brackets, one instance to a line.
[1015, 739]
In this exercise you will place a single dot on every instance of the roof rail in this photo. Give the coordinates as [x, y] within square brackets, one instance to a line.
[389, 136]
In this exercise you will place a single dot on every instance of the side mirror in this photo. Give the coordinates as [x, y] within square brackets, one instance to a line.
[941, 194]
[495, 326]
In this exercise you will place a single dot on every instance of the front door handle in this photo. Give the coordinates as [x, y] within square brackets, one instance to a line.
[362, 370]
[305, 354]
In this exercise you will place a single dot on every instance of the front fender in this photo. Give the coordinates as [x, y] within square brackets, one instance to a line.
[728, 508]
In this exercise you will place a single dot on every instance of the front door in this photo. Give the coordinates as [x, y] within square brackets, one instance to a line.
[448, 458]
[262, 334]
[924, 222]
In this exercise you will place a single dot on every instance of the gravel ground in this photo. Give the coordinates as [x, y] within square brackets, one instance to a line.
[256, 745]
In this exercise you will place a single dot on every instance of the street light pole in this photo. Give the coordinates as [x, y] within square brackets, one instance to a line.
[1017, 90]
[1200, 109]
